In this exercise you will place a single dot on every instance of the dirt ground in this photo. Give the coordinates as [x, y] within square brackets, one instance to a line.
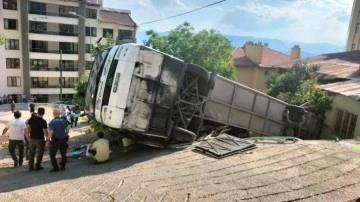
[300, 171]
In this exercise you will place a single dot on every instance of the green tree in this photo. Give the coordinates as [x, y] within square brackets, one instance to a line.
[80, 89]
[207, 48]
[2, 38]
[297, 86]
[110, 41]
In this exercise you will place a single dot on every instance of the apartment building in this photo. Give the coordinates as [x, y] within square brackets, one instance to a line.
[255, 61]
[48, 44]
[353, 41]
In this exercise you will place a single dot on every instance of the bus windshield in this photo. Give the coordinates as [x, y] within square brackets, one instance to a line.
[93, 81]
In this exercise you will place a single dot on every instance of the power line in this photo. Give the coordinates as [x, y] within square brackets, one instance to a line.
[181, 13]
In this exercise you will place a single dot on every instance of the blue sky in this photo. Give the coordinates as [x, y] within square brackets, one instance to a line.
[313, 21]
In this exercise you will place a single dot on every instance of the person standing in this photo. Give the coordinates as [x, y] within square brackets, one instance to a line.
[27, 150]
[16, 138]
[74, 115]
[12, 105]
[32, 107]
[36, 133]
[59, 135]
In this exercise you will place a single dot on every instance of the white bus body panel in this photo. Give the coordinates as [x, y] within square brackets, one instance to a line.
[113, 113]
[102, 82]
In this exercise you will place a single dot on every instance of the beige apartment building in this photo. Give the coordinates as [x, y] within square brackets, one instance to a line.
[353, 41]
[255, 61]
[48, 43]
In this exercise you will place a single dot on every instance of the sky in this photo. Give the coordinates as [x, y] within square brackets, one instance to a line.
[309, 21]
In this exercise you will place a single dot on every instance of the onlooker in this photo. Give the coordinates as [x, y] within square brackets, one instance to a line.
[12, 105]
[59, 135]
[16, 138]
[100, 149]
[27, 149]
[36, 133]
[64, 112]
[74, 115]
[32, 107]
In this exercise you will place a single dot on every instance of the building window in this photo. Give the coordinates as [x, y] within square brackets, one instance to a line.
[39, 46]
[345, 123]
[37, 64]
[38, 27]
[12, 44]
[125, 34]
[357, 29]
[10, 23]
[107, 32]
[12, 63]
[10, 4]
[91, 13]
[69, 82]
[93, 31]
[353, 47]
[68, 65]
[68, 48]
[39, 82]
[88, 48]
[37, 8]
[67, 30]
[64, 11]
[13, 81]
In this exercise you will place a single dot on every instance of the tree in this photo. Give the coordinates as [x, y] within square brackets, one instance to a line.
[206, 48]
[296, 86]
[2, 38]
[80, 89]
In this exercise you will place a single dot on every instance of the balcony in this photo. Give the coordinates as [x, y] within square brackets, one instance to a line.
[41, 12]
[50, 86]
[51, 90]
[70, 69]
[39, 50]
[54, 33]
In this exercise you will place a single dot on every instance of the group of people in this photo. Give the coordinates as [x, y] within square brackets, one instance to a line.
[71, 115]
[38, 134]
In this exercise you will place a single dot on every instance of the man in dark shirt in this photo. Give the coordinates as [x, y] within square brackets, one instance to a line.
[32, 107]
[59, 135]
[36, 133]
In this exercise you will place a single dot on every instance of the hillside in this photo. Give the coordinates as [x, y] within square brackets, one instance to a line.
[307, 49]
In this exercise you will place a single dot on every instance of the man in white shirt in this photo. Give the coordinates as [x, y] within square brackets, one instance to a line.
[17, 128]
[100, 149]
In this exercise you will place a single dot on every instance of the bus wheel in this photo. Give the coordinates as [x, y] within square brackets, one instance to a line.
[183, 135]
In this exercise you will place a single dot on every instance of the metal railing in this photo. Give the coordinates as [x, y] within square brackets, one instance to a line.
[54, 33]
[51, 86]
[71, 69]
[40, 50]
[40, 12]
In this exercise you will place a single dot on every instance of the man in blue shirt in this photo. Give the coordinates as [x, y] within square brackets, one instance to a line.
[59, 136]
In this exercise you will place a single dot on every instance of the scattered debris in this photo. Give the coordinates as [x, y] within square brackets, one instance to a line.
[224, 145]
[273, 139]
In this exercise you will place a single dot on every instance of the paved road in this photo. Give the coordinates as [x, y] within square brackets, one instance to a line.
[302, 171]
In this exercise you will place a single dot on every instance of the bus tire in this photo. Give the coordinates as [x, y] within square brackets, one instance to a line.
[183, 135]
[198, 71]
[296, 109]
[295, 117]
